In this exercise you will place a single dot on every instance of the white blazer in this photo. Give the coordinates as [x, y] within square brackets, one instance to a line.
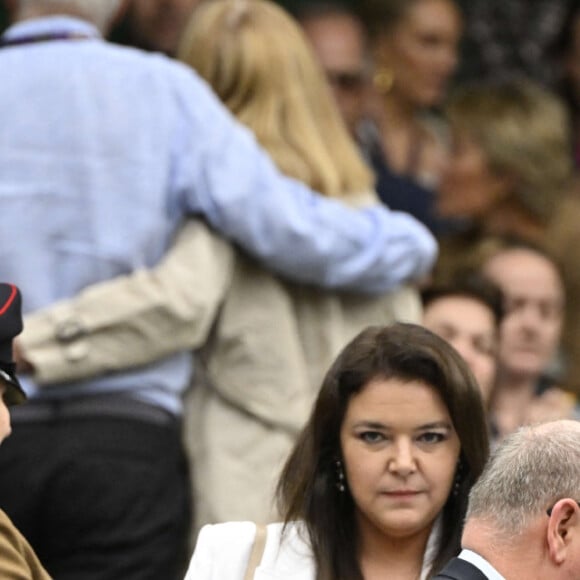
[222, 552]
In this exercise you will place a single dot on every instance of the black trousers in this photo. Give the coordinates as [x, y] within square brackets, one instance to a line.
[98, 496]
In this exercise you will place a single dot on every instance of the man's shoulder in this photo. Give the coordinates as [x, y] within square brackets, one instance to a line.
[158, 71]
[458, 569]
[148, 60]
[74, 51]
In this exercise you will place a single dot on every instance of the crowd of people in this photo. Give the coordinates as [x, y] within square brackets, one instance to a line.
[288, 274]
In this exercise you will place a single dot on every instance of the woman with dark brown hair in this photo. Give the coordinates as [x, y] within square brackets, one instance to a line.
[377, 483]
[467, 313]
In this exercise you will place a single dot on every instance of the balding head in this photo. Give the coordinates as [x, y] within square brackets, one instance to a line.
[531, 470]
[534, 297]
[523, 515]
[340, 43]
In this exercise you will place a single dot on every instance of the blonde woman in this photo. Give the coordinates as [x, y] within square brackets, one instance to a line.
[267, 342]
[511, 160]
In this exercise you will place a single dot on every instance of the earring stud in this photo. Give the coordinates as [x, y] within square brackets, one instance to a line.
[340, 478]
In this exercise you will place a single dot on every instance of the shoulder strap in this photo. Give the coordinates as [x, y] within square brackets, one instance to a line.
[257, 551]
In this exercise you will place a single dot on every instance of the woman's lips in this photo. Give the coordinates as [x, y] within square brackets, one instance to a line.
[401, 493]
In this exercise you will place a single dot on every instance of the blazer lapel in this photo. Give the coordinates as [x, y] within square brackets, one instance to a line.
[459, 569]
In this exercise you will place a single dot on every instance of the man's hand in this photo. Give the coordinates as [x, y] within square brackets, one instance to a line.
[23, 366]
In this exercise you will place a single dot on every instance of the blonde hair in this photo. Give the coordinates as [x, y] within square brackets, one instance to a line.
[523, 130]
[258, 62]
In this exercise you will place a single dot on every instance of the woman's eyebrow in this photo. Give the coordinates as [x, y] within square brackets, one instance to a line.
[383, 426]
[371, 425]
[435, 425]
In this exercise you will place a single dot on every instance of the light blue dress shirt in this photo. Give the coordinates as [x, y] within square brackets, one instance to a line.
[105, 149]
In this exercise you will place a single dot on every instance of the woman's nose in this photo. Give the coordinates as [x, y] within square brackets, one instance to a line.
[402, 461]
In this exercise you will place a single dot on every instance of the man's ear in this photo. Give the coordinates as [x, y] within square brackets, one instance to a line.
[563, 528]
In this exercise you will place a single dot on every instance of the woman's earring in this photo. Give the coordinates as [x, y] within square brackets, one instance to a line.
[340, 478]
[456, 485]
[383, 80]
[457, 479]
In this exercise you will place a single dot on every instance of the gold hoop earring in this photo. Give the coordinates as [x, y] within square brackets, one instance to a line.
[383, 80]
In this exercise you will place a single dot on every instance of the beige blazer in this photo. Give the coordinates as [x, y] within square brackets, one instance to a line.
[267, 344]
[17, 559]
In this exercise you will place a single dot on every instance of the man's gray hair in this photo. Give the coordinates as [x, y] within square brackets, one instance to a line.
[99, 12]
[531, 470]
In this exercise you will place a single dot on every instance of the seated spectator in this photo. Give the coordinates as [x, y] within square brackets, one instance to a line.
[340, 43]
[511, 174]
[270, 341]
[467, 314]
[415, 54]
[523, 519]
[17, 559]
[376, 485]
[529, 338]
[510, 162]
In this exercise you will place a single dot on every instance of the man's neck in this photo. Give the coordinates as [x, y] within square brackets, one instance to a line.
[511, 403]
[510, 565]
[56, 9]
[481, 563]
[513, 557]
[515, 387]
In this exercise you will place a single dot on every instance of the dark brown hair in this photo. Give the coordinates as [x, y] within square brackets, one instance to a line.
[383, 16]
[307, 488]
[473, 285]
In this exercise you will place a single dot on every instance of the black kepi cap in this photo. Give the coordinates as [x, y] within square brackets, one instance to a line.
[10, 327]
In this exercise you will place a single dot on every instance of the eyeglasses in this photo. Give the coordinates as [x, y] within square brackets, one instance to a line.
[549, 510]
[346, 80]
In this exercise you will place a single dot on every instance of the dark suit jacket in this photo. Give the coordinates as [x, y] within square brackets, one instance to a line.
[460, 570]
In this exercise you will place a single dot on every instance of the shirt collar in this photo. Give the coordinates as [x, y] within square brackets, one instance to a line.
[481, 563]
[51, 25]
